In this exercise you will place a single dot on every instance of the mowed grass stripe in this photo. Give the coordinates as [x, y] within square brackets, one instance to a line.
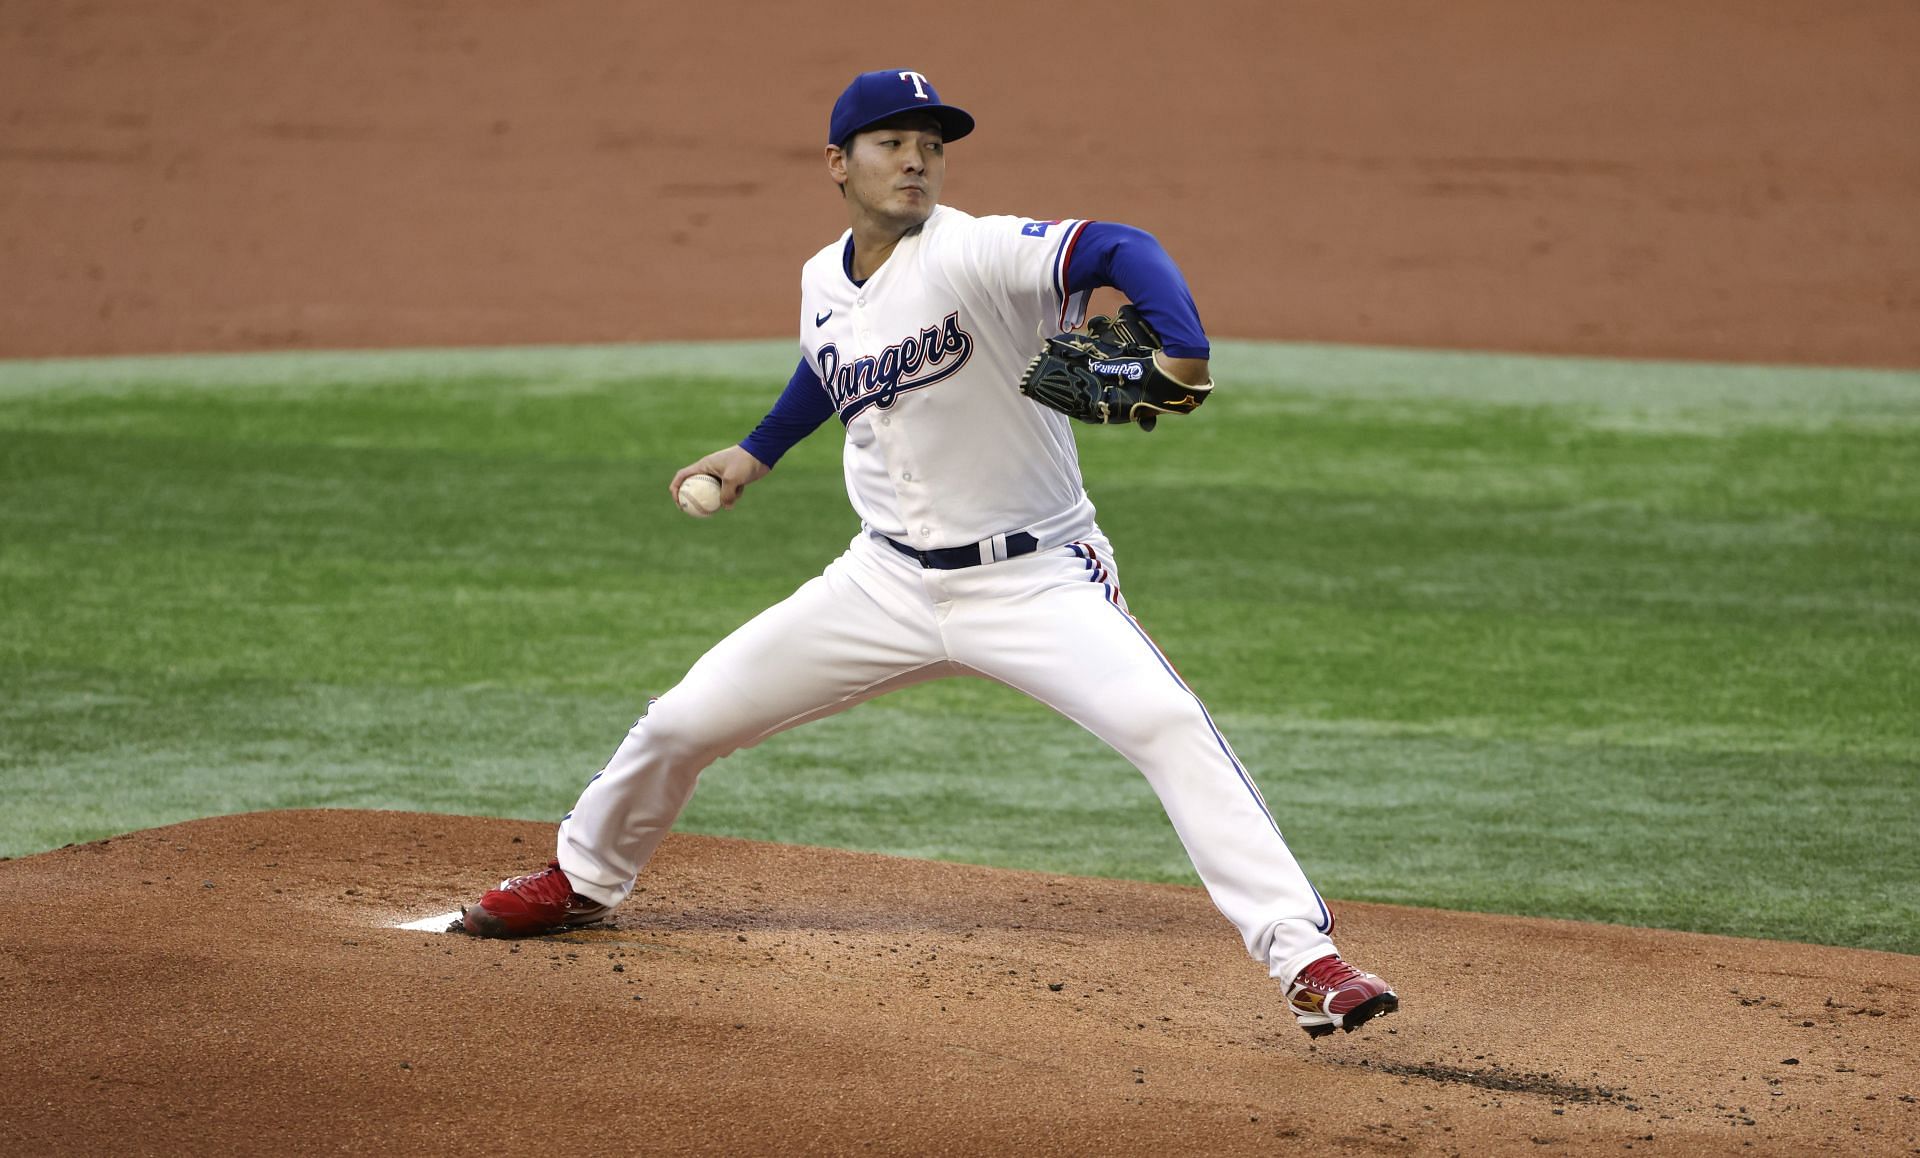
[1624, 641]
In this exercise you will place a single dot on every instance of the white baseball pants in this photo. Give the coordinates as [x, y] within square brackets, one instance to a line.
[1051, 624]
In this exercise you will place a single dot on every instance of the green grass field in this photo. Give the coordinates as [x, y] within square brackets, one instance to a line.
[1623, 642]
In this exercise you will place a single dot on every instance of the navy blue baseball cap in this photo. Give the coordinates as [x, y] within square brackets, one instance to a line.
[875, 96]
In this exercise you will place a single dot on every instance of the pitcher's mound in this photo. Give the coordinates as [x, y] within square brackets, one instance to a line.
[241, 985]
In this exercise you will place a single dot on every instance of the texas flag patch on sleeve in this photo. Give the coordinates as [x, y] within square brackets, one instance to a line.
[1037, 228]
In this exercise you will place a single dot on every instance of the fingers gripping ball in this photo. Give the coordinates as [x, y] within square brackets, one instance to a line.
[700, 495]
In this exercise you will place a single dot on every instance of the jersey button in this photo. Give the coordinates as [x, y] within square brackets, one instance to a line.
[926, 530]
[906, 476]
[886, 422]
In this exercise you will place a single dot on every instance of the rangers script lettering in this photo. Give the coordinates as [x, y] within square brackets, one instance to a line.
[878, 381]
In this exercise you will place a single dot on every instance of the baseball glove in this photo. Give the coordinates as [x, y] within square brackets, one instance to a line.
[1107, 374]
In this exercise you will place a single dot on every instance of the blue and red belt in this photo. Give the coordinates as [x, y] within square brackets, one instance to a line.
[992, 550]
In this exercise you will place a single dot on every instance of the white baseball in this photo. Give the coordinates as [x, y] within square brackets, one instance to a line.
[700, 495]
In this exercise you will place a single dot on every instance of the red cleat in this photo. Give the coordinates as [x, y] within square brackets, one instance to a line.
[542, 902]
[1331, 994]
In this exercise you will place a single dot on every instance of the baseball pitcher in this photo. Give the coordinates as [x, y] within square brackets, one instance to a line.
[953, 350]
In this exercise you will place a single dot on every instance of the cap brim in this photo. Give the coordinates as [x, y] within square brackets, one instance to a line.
[954, 123]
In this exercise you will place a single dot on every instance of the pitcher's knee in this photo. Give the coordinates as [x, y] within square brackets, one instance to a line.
[678, 734]
[1155, 718]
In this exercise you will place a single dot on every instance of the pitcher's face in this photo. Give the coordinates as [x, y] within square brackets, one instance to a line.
[892, 172]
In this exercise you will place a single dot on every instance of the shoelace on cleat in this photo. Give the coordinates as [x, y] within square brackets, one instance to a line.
[1330, 973]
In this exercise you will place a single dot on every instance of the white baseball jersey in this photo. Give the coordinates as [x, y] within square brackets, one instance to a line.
[923, 364]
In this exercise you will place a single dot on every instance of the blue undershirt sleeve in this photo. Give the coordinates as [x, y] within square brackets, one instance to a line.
[1133, 262]
[802, 407]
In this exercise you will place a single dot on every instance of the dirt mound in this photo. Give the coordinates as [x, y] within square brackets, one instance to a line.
[239, 985]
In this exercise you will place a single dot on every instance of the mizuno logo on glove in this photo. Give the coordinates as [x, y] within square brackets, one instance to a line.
[1107, 374]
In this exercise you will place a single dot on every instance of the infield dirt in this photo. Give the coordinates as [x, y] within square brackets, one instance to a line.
[236, 984]
[1718, 180]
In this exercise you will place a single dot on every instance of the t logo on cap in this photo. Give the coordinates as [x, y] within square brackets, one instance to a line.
[875, 96]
